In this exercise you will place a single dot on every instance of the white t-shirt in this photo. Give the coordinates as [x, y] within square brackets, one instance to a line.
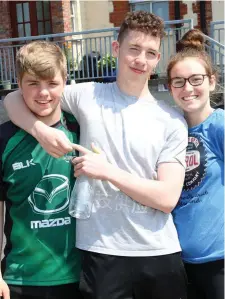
[136, 135]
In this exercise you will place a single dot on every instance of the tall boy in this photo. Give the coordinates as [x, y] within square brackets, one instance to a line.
[40, 259]
[130, 245]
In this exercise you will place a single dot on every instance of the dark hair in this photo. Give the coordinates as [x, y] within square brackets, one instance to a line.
[142, 21]
[191, 45]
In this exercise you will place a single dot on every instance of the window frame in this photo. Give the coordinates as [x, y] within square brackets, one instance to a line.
[33, 18]
[45, 19]
[133, 3]
[73, 15]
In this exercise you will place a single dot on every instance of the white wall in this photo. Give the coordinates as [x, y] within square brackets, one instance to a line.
[92, 15]
[190, 14]
[95, 14]
[218, 10]
[218, 15]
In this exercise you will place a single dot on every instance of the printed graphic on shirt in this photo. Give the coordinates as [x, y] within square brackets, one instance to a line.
[117, 201]
[22, 165]
[51, 195]
[196, 163]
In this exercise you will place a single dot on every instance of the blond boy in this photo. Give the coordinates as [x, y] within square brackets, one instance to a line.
[40, 259]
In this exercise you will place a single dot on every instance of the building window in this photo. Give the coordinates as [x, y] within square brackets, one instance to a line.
[30, 18]
[159, 8]
[43, 17]
[73, 15]
[23, 19]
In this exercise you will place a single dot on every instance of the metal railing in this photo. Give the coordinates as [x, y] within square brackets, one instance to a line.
[216, 51]
[88, 53]
[174, 31]
[217, 31]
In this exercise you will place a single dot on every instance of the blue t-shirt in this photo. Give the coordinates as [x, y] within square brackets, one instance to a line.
[199, 214]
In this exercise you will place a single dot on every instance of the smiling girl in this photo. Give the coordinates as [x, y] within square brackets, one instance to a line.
[199, 214]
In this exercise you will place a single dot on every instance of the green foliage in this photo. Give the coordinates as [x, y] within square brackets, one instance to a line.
[71, 61]
[107, 60]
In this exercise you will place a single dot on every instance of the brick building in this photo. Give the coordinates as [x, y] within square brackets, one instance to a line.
[26, 18]
[31, 18]
[203, 12]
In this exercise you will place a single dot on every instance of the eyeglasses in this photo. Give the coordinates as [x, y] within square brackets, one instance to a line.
[194, 80]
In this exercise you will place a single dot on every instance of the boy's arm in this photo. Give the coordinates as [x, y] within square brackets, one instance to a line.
[52, 140]
[4, 289]
[161, 194]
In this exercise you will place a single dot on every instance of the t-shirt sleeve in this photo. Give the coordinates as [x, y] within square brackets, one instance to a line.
[69, 101]
[72, 95]
[174, 150]
[216, 130]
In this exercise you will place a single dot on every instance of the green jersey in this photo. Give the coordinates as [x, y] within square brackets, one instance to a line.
[40, 234]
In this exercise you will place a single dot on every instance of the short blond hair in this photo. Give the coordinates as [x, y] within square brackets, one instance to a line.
[41, 59]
